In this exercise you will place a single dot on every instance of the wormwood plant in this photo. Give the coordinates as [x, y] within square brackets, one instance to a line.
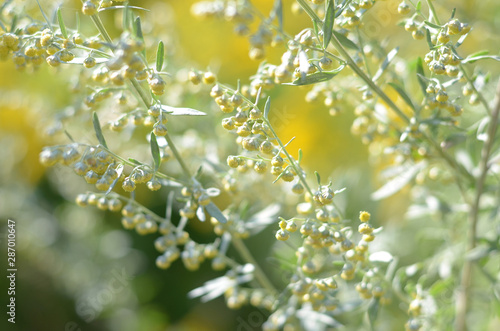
[428, 120]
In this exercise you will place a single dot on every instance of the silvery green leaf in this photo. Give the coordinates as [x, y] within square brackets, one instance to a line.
[155, 151]
[432, 25]
[262, 219]
[373, 309]
[461, 40]
[179, 111]
[43, 14]
[64, 32]
[317, 77]
[98, 131]
[216, 287]
[453, 140]
[160, 55]
[381, 256]
[169, 183]
[122, 7]
[472, 59]
[346, 42]
[411, 270]
[314, 320]
[403, 95]
[428, 39]
[200, 213]
[418, 7]
[420, 74]
[127, 17]
[318, 177]
[278, 9]
[398, 182]
[390, 56]
[441, 285]
[119, 171]
[131, 159]
[328, 23]
[267, 107]
[215, 212]
[478, 252]
[340, 190]
[69, 136]
[482, 132]
[79, 60]
[303, 63]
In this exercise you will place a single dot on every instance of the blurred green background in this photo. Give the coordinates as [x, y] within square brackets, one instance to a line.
[78, 269]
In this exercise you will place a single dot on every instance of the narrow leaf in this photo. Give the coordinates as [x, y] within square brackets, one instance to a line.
[178, 111]
[138, 28]
[340, 190]
[345, 41]
[373, 312]
[267, 107]
[432, 25]
[420, 74]
[69, 136]
[155, 151]
[418, 7]
[390, 56]
[121, 7]
[428, 38]
[381, 256]
[215, 212]
[257, 98]
[64, 32]
[126, 18]
[119, 171]
[472, 59]
[398, 182]
[98, 131]
[453, 140]
[79, 60]
[160, 53]
[317, 77]
[318, 177]
[131, 159]
[316, 29]
[300, 155]
[44, 16]
[198, 173]
[461, 40]
[343, 6]
[200, 213]
[403, 95]
[328, 23]
[279, 13]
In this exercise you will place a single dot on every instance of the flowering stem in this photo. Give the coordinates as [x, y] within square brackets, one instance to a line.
[260, 276]
[102, 30]
[433, 11]
[463, 298]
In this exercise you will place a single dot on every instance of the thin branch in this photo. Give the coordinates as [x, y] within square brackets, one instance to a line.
[463, 298]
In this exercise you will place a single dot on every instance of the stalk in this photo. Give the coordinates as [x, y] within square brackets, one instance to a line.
[237, 242]
[463, 299]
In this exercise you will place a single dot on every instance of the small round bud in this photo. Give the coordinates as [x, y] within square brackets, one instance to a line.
[89, 8]
[403, 8]
[209, 78]
[364, 216]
